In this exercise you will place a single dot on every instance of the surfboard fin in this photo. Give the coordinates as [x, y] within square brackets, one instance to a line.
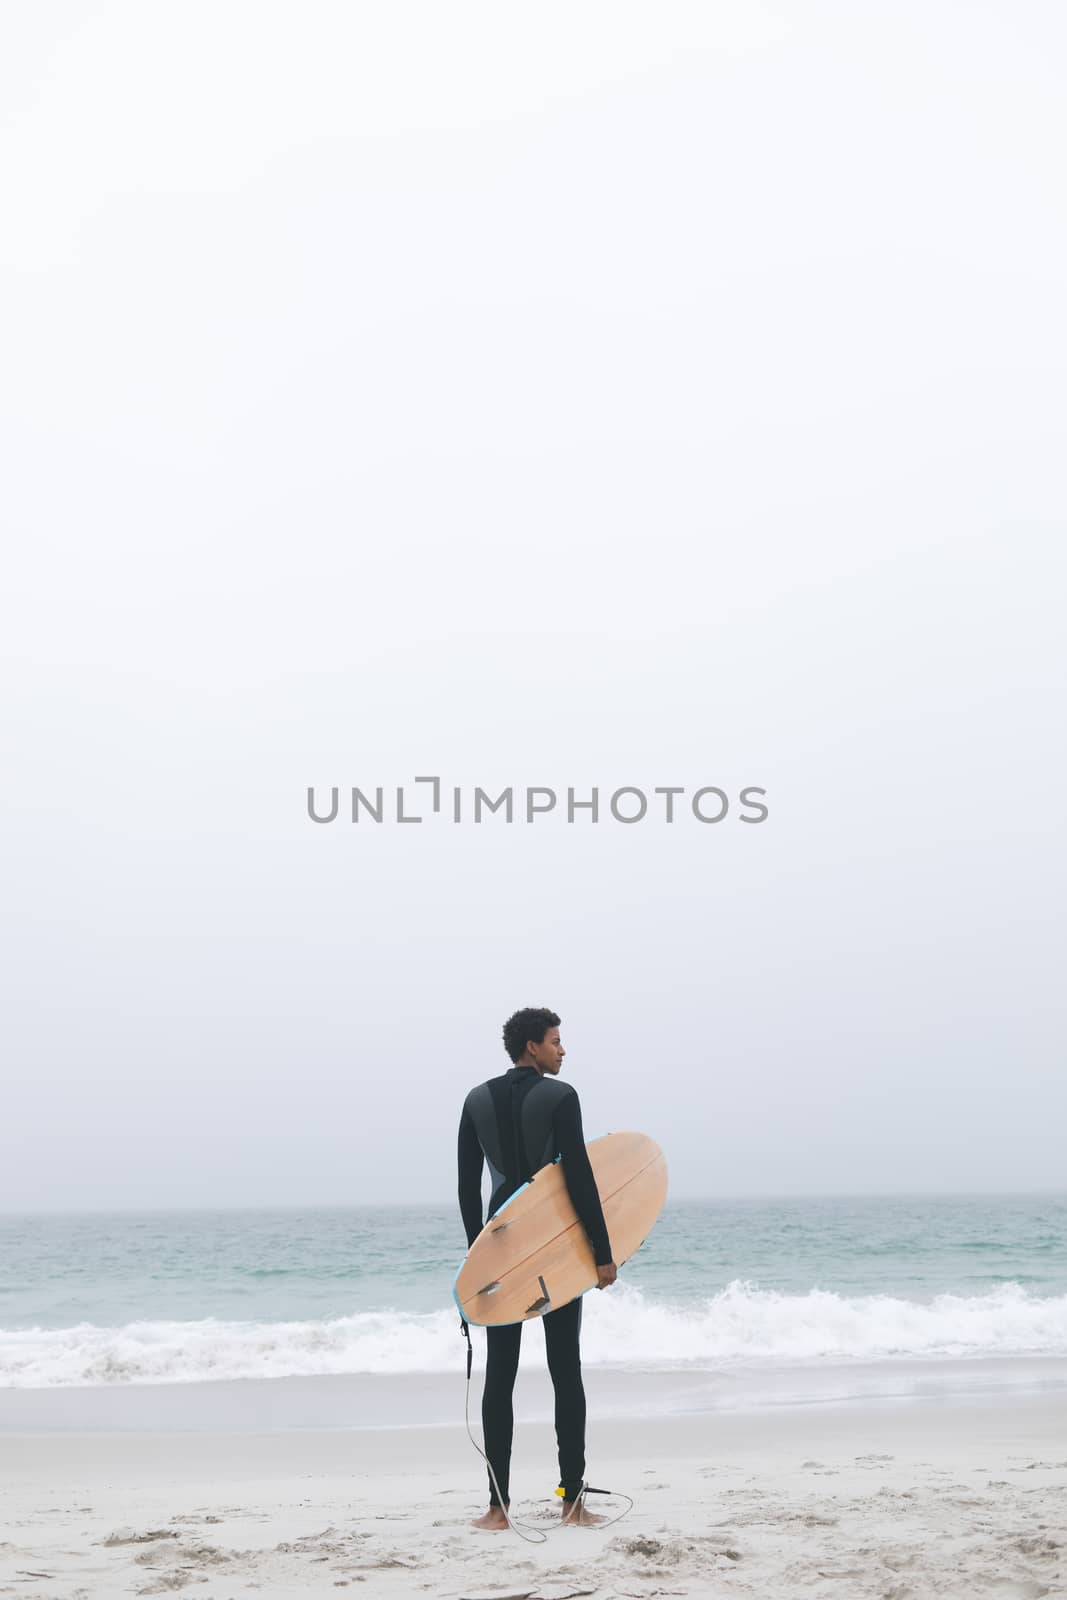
[539, 1305]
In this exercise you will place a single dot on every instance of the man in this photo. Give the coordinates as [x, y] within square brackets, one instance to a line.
[518, 1123]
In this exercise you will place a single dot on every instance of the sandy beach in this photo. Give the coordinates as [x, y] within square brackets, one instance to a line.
[947, 1496]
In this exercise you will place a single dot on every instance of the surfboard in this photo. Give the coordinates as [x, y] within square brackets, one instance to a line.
[533, 1255]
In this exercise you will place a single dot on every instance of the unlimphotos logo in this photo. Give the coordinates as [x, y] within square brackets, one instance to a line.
[628, 804]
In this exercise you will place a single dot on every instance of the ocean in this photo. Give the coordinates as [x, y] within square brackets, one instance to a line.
[753, 1297]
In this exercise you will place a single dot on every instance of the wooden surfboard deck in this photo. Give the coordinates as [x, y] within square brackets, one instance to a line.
[533, 1255]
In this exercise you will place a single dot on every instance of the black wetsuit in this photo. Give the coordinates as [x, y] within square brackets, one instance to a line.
[518, 1123]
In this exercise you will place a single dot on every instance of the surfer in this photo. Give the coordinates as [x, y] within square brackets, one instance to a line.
[518, 1123]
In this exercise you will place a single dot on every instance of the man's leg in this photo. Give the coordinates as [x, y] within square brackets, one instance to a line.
[562, 1329]
[501, 1365]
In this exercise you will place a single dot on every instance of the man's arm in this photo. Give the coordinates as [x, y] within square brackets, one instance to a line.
[578, 1175]
[471, 1161]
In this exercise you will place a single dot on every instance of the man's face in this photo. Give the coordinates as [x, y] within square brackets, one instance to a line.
[548, 1055]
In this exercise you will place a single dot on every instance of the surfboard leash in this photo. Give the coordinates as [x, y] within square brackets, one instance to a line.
[539, 1536]
[587, 1488]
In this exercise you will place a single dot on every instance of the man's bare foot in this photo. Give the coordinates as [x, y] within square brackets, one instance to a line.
[574, 1515]
[493, 1520]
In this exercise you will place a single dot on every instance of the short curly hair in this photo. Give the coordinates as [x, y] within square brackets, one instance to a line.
[533, 1022]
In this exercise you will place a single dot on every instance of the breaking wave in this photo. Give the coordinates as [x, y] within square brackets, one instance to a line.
[742, 1326]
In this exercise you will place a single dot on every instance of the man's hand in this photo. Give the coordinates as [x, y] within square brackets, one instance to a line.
[606, 1275]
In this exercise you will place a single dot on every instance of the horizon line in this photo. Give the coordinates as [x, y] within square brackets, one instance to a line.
[433, 1205]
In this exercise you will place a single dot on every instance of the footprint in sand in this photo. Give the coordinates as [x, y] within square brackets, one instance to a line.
[131, 1536]
[185, 1556]
[897, 1562]
[1035, 1544]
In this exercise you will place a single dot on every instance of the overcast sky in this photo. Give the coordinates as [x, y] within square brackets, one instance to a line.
[572, 395]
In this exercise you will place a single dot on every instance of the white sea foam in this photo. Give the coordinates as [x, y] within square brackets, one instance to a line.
[742, 1326]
